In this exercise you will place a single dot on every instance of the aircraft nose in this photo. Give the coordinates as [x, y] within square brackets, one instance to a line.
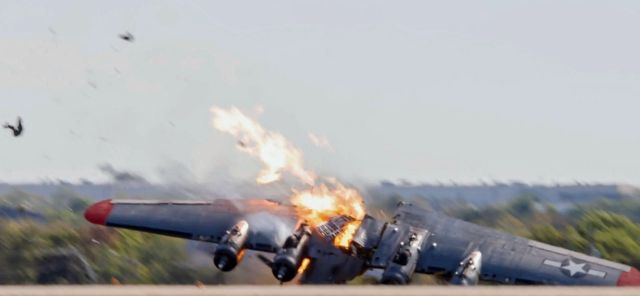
[98, 213]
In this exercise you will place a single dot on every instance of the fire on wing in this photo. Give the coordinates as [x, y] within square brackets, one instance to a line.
[335, 214]
[315, 206]
[318, 205]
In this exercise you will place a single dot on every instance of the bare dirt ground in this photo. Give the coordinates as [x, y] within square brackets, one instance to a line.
[311, 290]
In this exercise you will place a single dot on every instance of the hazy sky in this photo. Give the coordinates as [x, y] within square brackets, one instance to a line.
[538, 91]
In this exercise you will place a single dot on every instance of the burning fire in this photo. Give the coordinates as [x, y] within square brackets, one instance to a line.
[315, 205]
[346, 236]
[319, 204]
[304, 265]
[275, 152]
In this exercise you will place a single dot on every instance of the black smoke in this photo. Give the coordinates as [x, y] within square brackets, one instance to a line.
[121, 176]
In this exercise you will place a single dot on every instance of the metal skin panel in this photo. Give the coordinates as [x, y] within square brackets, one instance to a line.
[368, 235]
[269, 223]
[402, 262]
[391, 238]
[506, 258]
[329, 265]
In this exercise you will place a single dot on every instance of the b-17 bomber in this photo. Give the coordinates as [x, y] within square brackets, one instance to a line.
[414, 240]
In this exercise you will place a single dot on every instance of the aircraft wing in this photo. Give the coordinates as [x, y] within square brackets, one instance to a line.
[506, 258]
[269, 222]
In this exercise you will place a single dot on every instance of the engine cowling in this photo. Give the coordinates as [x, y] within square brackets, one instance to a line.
[230, 250]
[403, 263]
[289, 258]
[468, 273]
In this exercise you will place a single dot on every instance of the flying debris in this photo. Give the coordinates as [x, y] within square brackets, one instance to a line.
[17, 129]
[127, 37]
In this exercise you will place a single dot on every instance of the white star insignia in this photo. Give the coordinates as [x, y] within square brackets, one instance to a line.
[574, 268]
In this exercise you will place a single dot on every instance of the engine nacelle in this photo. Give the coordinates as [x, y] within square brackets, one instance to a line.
[289, 257]
[468, 273]
[230, 250]
[403, 263]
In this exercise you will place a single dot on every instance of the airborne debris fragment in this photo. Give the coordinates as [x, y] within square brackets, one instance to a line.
[17, 130]
[127, 37]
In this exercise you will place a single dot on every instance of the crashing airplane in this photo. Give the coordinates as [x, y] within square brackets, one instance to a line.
[415, 240]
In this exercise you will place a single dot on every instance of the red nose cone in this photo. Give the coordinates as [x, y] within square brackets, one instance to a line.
[98, 212]
[629, 278]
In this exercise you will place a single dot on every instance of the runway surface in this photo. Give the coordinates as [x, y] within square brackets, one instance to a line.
[311, 290]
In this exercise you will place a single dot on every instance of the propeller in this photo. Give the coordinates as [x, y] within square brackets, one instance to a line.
[269, 262]
[265, 260]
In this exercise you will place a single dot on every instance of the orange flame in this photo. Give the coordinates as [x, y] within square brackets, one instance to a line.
[273, 149]
[319, 204]
[315, 205]
[346, 236]
[304, 265]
